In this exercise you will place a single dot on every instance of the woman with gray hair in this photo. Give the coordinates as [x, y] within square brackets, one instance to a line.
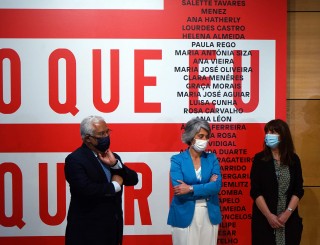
[195, 175]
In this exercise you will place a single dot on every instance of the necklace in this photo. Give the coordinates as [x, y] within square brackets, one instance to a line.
[277, 165]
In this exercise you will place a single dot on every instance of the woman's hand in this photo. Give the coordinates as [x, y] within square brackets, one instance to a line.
[284, 216]
[213, 178]
[181, 189]
[274, 221]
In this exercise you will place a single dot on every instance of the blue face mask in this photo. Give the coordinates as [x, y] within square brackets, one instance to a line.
[272, 140]
[103, 143]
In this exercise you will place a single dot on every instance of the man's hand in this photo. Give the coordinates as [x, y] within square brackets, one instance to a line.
[107, 158]
[117, 178]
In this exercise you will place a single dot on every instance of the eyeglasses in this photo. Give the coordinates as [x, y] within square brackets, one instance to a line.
[101, 134]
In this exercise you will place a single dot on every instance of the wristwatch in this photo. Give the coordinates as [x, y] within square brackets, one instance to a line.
[290, 210]
[115, 163]
[191, 188]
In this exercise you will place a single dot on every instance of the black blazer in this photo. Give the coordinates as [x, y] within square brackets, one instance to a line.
[264, 183]
[95, 211]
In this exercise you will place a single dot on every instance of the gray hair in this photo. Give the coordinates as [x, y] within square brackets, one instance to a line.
[86, 126]
[193, 127]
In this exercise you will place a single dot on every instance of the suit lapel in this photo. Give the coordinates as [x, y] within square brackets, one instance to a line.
[94, 162]
[205, 168]
[189, 165]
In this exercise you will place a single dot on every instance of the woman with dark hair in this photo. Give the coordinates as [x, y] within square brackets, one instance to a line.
[195, 175]
[276, 189]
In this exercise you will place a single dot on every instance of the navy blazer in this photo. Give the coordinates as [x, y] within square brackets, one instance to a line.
[95, 211]
[182, 207]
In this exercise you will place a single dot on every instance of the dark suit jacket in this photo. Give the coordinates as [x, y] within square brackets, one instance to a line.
[264, 183]
[95, 211]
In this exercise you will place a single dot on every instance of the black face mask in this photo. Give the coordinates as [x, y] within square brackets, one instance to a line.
[103, 143]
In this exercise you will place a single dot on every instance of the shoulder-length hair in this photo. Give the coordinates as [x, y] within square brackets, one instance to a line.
[192, 127]
[286, 146]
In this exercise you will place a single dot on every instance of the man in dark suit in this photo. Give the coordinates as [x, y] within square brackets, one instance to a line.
[96, 176]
